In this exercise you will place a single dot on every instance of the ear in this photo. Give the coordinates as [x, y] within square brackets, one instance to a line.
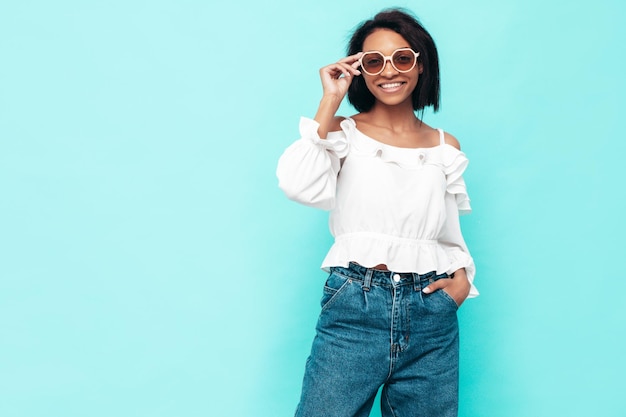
[420, 67]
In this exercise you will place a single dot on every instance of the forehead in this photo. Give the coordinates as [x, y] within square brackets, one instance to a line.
[385, 41]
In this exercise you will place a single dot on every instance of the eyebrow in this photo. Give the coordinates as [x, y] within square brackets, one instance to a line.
[376, 50]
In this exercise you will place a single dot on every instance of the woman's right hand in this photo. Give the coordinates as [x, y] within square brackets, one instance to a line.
[336, 78]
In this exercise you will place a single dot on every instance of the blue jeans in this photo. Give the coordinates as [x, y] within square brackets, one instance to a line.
[377, 328]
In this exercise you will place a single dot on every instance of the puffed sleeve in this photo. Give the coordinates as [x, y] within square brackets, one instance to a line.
[307, 170]
[457, 202]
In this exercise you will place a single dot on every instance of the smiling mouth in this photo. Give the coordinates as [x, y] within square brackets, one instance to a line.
[390, 86]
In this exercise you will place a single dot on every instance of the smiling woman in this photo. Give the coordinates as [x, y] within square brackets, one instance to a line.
[387, 83]
[399, 264]
[419, 42]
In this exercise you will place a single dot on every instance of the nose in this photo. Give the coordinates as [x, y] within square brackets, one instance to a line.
[389, 69]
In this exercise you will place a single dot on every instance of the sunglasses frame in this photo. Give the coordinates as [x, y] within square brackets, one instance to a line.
[388, 58]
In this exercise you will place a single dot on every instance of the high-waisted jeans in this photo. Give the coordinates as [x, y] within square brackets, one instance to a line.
[377, 328]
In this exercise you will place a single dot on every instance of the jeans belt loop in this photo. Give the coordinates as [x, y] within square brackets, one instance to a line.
[368, 279]
[417, 283]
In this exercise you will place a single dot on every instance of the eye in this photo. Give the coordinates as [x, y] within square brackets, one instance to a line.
[403, 58]
[373, 61]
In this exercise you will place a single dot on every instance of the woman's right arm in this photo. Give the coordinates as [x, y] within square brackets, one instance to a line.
[336, 79]
[307, 171]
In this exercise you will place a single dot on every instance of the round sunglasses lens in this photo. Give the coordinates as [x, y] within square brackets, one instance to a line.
[403, 60]
[373, 62]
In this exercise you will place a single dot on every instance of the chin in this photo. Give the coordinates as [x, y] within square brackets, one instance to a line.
[393, 101]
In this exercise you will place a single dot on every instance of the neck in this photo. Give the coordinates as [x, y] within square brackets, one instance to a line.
[395, 117]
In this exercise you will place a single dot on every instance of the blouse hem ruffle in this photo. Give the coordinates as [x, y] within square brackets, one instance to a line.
[399, 254]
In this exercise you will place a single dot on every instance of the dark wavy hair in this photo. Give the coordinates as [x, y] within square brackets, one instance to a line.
[426, 92]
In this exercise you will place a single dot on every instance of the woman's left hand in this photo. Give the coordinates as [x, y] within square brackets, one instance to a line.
[457, 287]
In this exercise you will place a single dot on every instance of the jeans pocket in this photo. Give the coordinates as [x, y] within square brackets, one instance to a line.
[448, 298]
[334, 286]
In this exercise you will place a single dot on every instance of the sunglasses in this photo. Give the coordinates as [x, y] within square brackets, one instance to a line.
[402, 60]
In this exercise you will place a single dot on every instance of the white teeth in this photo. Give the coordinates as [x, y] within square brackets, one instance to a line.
[391, 85]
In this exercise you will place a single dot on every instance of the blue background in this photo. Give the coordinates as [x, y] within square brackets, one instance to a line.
[149, 266]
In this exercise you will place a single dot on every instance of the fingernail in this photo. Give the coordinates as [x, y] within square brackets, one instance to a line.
[426, 290]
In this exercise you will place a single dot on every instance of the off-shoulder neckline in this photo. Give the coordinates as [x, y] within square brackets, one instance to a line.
[397, 147]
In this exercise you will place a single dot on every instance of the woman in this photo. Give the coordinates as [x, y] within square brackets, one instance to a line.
[399, 267]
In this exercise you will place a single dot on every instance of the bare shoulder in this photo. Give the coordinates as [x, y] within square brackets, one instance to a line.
[451, 140]
[335, 124]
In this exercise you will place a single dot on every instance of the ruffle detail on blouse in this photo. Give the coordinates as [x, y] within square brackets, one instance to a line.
[455, 164]
[460, 259]
[399, 254]
[307, 170]
[363, 145]
[335, 141]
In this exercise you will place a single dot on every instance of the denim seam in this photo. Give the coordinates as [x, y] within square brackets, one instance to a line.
[340, 290]
[392, 352]
[407, 337]
[389, 404]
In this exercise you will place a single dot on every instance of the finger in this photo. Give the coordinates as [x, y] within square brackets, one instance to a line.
[351, 68]
[353, 62]
[337, 66]
[340, 68]
[347, 65]
[333, 72]
[437, 285]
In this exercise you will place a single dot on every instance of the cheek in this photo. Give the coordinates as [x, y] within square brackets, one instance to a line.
[418, 75]
[368, 83]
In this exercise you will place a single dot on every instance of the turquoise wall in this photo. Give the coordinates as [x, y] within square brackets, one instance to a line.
[149, 266]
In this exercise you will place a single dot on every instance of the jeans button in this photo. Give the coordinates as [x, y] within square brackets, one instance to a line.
[396, 277]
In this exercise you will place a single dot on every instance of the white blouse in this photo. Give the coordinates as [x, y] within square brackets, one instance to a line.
[389, 205]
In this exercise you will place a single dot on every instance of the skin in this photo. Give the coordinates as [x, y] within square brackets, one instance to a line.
[391, 120]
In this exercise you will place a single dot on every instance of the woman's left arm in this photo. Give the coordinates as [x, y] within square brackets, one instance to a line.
[461, 269]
